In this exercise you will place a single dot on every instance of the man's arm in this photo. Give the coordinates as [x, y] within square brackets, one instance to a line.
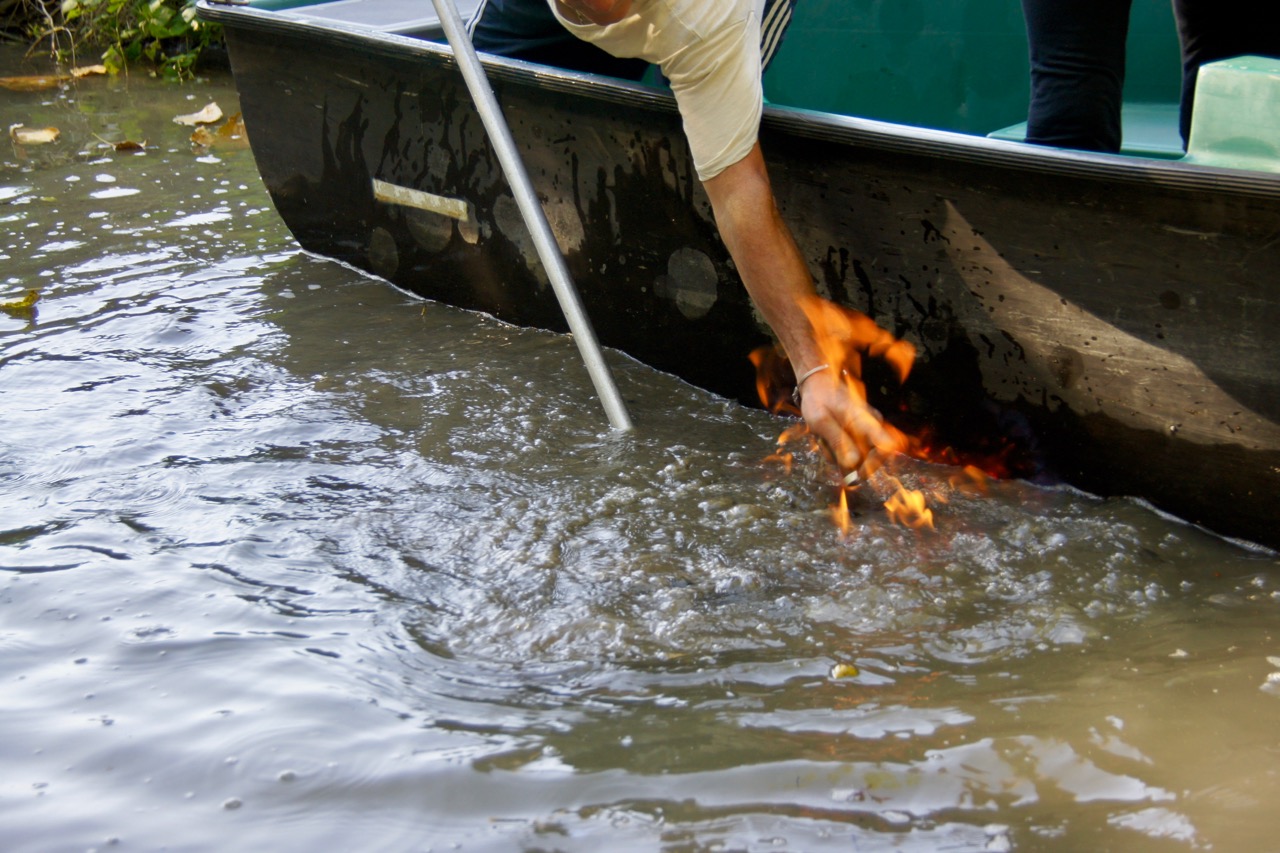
[778, 281]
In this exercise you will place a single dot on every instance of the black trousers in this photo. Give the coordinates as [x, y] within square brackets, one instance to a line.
[526, 29]
[1076, 48]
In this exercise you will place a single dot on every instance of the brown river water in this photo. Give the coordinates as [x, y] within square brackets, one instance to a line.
[292, 560]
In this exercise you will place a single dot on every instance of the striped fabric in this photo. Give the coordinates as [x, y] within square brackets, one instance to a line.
[773, 25]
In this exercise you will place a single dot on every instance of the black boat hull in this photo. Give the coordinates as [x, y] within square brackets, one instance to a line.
[1108, 319]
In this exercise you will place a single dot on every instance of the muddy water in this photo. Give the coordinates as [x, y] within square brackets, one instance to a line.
[290, 560]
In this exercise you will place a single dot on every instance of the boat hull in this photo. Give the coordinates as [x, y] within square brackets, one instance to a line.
[1101, 320]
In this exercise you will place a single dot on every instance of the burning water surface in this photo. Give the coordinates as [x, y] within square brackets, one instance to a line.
[292, 560]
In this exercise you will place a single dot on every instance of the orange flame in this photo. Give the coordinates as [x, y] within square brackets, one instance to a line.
[908, 508]
[843, 336]
[840, 513]
[970, 478]
[773, 373]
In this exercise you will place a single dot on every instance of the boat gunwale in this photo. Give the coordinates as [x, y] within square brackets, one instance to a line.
[819, 125]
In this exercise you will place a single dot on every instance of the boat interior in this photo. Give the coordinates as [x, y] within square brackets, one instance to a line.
[955, 65]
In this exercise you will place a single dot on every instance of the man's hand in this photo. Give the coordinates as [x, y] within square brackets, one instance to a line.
[849, 429]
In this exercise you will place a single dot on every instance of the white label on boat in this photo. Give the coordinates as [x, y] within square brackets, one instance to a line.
[455, 208]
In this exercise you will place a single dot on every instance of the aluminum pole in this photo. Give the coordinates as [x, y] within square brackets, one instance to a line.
[534, 216]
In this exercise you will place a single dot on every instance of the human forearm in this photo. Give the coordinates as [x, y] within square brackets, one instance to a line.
[766, 256]
[820, 338]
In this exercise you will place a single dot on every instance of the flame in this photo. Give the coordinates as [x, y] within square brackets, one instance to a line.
[970, 478]
[909, 508]
[773, 373]
[783, 458]
[840, 513]
[844, 336]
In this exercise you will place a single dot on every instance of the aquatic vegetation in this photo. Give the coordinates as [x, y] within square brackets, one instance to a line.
[164, 34]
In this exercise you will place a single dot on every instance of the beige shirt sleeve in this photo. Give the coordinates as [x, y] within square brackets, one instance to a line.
[710, 52]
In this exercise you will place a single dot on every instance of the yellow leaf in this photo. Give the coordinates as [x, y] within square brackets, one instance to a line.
[208, 115]
[33, 135]
[230, 135]
[88, 70]
[21, 307]
[203, 137]
[233, 131]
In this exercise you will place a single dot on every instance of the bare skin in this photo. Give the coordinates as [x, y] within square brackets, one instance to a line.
[778, 281]
[601, 12]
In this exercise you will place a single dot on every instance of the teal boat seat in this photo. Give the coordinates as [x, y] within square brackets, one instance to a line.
[1236, 121]
[1146, 130]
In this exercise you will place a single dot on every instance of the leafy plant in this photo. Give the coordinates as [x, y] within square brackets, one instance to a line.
[163, 33]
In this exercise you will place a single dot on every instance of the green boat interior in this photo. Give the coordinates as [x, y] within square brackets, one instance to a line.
[957, 65]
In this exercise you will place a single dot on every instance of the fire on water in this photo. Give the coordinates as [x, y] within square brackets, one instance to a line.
[846, 337]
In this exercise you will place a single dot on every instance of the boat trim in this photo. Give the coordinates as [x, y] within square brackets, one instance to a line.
[454, 208]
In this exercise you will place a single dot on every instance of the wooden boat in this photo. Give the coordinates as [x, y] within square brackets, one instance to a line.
[1106, 319]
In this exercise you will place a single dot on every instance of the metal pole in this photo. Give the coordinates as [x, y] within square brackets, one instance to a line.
[534, 216]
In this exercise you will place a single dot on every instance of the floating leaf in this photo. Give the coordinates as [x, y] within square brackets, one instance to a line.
[23, 307]
[233, 131]
[24, 135]
[231, 134]
[209, 115]
[125, 146]
[88, 70]
[32, 83]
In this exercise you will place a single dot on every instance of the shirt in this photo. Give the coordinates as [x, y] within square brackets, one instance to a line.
[710, 53]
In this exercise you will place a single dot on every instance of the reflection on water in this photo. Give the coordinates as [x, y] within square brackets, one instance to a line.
[292, 560]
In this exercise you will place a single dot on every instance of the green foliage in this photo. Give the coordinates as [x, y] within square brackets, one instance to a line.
[165, 34]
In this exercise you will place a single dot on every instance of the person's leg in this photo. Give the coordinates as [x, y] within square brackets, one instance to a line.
[1220, 29]
[1076, 48]
[526, 29]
